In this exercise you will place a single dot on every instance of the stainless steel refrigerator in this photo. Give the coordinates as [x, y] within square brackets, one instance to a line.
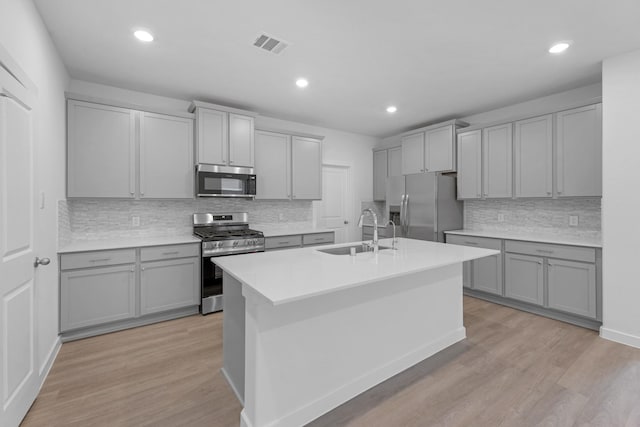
[423, 205]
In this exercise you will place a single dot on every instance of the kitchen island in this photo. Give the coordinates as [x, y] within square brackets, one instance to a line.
[305, 331]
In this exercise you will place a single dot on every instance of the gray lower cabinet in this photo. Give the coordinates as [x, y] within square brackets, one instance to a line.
[524, 278]
[165, 285]
[484, 274]
[298, 240]
[94, 296]
[559, 281]
[103, 291]
[487, 274]
[572, 287]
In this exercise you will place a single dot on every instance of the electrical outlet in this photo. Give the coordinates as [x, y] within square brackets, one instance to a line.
[281, 217]
[573, 220]
[135, 221]
[500, 217]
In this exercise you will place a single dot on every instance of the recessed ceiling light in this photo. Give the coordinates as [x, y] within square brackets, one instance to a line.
[392, 109]
[143, 36]
[302, 83]
[559, 47]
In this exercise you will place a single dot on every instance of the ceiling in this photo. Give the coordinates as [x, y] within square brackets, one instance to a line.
[434, 60]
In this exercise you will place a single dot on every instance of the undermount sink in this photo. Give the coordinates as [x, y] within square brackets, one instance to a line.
[346, 250]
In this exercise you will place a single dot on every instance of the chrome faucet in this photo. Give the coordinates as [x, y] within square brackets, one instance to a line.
[375, 227]
[394, 241]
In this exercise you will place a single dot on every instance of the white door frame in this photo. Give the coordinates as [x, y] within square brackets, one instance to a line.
[349, 196]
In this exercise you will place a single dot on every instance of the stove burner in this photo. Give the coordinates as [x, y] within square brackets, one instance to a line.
[213, 234]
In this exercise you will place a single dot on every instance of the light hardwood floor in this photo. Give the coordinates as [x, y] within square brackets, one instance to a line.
[514, 369]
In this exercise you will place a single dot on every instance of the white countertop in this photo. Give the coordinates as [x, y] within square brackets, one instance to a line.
[295, 274]
[560, 239]
[120, 243]
[271, 230]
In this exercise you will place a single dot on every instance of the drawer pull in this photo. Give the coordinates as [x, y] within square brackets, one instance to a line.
[100, 260]
[318, 239]
[470, 243]
[170, 253]
[544, 251]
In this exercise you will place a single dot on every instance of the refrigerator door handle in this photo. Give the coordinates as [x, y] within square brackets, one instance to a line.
[401, 213]
[406, 214]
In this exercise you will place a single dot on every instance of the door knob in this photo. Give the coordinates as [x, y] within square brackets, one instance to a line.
[41, 261]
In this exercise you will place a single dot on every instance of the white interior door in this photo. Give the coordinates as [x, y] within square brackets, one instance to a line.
[333, 210]
[18, 375]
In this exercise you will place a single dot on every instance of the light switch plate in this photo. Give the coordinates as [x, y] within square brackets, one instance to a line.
[573, 220]
[500, 217]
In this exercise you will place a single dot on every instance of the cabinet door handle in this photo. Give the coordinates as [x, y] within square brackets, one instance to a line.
[100, 260]
[170, 253]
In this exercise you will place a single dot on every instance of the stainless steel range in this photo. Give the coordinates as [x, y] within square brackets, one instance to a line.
[222, 234]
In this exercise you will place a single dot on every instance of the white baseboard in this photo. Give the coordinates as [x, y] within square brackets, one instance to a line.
[48, 363]
[309, 412]
[233, 386]
[620, 337]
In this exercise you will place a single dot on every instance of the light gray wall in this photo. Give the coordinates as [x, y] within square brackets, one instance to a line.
[339, 147]
[621, 201]
[24, 36]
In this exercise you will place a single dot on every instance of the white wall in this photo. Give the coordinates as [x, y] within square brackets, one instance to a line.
[568, 99]
[339, 147]
[24, 36]
[620, 201]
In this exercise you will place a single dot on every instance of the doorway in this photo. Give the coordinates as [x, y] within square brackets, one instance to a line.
[334, 210]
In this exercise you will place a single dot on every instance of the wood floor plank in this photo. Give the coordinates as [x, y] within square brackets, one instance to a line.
[515, 369]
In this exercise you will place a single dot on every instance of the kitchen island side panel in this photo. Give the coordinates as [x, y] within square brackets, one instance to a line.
[307, 357]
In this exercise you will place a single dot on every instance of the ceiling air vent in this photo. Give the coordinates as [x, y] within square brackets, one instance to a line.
[270, 44]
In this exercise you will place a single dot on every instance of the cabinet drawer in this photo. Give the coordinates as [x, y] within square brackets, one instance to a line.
[97, 258]
[479, 242]
[317, 239]
[169, 252]
[551, 251]
[282, 241]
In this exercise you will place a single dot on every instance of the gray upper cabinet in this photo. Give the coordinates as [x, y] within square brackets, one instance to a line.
[212, 135]
[524, 278]
[166, 157]
[433, 150]
[380, 173]
[440, 149]
[306, 169]
[394, 158]
[273, 165]
[470, 165]
[288, 167]
[223, 137]
[101, 151]
[241, 140]
[116, 152]
[579, 152]
[533, 149]
[413, 153]
[497, 161]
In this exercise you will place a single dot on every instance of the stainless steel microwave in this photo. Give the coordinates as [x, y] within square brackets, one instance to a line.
[225, 181]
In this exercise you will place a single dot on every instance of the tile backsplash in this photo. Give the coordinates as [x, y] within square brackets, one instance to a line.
[534, 216]
[100, 219]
